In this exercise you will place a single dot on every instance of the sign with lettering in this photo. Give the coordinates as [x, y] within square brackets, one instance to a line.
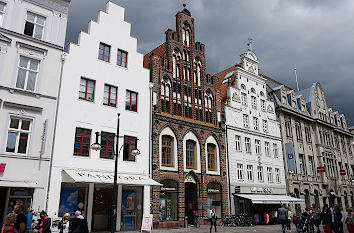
[168, 189]
[213, 191]
[2, 167]
[146, 224]
[261, 189]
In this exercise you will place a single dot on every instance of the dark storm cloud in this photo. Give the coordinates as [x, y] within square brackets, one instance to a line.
[316, 37]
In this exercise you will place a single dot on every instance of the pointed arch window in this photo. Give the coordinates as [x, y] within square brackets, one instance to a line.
[165, 95]
[209, 106]
[191, 155]
[211, 149]
[167, 151]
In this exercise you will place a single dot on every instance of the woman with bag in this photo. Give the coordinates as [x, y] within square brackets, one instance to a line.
[350, 221]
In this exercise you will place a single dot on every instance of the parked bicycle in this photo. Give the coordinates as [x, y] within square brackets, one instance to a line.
[238, 220]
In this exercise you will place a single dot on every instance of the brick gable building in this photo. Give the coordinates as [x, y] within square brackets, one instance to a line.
[188, 143]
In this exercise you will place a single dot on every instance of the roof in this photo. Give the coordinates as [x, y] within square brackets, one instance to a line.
[223, 85]
[159, 50]
[307, 93]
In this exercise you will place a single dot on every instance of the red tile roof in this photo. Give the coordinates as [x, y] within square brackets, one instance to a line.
[223, 87]
[159, 50]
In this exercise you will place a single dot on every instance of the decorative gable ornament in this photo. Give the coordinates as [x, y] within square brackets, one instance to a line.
[190, 179]
[236, 98]
[270, 109]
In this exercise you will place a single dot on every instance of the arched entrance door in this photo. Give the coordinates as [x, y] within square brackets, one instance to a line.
[297, 206]
[190, 196]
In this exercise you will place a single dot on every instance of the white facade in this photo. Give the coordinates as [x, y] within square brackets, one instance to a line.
[79, 108]
[32, 35]
[255, 154]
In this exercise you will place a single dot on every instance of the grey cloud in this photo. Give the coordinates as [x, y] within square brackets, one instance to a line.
[314, 36]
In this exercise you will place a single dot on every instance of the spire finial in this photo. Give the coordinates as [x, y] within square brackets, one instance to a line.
[249, 44]
[184, 5]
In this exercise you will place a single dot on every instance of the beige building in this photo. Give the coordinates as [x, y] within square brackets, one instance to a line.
[317, 145]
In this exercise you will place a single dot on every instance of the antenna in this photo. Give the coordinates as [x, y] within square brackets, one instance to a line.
[297, 83]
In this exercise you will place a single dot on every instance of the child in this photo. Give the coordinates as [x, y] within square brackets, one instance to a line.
[10, 223]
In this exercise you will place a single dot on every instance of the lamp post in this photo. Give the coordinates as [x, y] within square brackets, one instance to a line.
[96, 146]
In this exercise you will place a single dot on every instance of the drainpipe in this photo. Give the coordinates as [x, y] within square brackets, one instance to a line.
[228, 169]
[54, 131]
[151, 85]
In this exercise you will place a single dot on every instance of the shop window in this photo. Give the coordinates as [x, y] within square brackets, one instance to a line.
[131, 101]
[27, 74]
[214, 198]
[82, 142]
[107, 145]
[72, 198]
[22, 196]
[87, 89]
[168, 200]
[104, 52]
[167, 151]
[211, 149]
[129, 145]
[18, 135]
[122, 58]
[132, 208]
[110, 95]
[34, 25]
[191, 158]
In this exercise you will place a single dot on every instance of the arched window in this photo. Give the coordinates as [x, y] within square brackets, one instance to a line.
[211, 150]
[165, 95]
[186, 34]
[253, 90]
[261, 93]
[197, 71]
[167, 151]
[209, 106]
[214, 197]
[191, 157]
[243, 87]
[176, 56]
[168, 200]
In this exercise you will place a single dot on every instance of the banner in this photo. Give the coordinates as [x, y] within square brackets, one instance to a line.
[289, 147]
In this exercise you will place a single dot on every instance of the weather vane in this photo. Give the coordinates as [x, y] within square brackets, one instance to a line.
[249, 44]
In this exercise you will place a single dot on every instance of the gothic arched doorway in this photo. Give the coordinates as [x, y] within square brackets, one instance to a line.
[190, 196]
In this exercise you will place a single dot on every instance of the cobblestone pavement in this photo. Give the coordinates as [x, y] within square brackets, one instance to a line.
[205, 229]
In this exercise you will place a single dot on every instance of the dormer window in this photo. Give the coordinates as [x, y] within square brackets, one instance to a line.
[34, 25]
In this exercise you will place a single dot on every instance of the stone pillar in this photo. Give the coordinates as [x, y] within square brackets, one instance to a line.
[90, 205]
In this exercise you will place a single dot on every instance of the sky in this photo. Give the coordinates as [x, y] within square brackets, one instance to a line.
[315, 37]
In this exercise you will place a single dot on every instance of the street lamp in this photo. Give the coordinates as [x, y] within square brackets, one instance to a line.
[96, 147]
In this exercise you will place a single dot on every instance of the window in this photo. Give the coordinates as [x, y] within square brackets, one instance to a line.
[129, 145]
[28, 69]
[298, 131]
[311, 165]
[248, 145]
[87, 89]
[260, 173]
[308, 134]
[110, 95]
[211, 149]
[244, 98]
[34, 25]
[255, 123]
[258, 146]
[82, 142]
[245, 121]
[269, 174]
[275, 150]
[238, 143]
[267, 148]
[169, 200]
[277, 175]
[289, 132]
[18, 135]
[301, 164]
[131, 101]
[239, 171]
[122, 58]
[265, 125]
[104, 52]
[254, 102]
[250, 172]
[2, 12]
[107, 145]
[167, 151]
[191, 154]
[263, 108]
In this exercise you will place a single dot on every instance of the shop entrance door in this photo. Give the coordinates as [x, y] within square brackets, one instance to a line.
[102, 208]
[191, 201]
[3, 209]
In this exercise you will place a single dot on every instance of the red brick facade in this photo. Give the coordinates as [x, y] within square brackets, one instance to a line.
[182, 107]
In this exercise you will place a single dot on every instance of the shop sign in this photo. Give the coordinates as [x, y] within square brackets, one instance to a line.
[213, 191]
[320, 169]
[261, 190]
[146, 224]
[168, 189]
[2, 167]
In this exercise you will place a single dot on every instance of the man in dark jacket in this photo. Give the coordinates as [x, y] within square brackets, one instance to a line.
[79, 224]
[338, 219]
[326, 217]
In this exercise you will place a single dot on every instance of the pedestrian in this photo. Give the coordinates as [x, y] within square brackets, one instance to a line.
[9, 223]
[338, 219]
[196, 218]
[29, 217]
[64, 224]
[316, 215]
[282, 216]
[288, 223]
[326, 217]
[79, 224]
[350, 221]
[44, 222]
[21, 218]
[331, 208]
[212, 220]
[266, 218]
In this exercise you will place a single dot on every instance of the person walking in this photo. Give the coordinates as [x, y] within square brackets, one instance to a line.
[288, 222]
[21, 218]
[196, 219]
[29, 217]
[338, 219]
[316, 215]
[79, 224]
[282, 216]
[9, 223]
[64, 224]
[44, 222]
[212, 220]
[326, 216]
[350, 221]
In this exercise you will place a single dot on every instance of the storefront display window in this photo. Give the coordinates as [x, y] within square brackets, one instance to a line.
[73, 197]
[20, 196]
[214, 198]
[132, 207]
[168, 200]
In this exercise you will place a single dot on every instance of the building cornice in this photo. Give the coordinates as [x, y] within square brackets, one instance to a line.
[28, 93]
[264, 135]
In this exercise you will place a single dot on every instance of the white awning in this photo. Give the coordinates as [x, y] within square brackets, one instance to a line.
[19, 184]
[107, 178]
[271, 199]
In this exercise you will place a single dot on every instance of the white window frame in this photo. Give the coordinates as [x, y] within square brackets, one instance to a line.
[267, 149]
[260, 174]
[240, 171]
[248, 145]
[275, 150]
[246, 122]
[18, 131]
[257, 145]
[244, 98]
[265, 126]
[277, 175]
[270, 174]
[167, 131]
[2, 13]
[311, 171]
[254, 102]
[212, 140]
[35, 24]
[263, 107]
[237, 143]
[250, 172]
[255, 123]
[28, 70]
